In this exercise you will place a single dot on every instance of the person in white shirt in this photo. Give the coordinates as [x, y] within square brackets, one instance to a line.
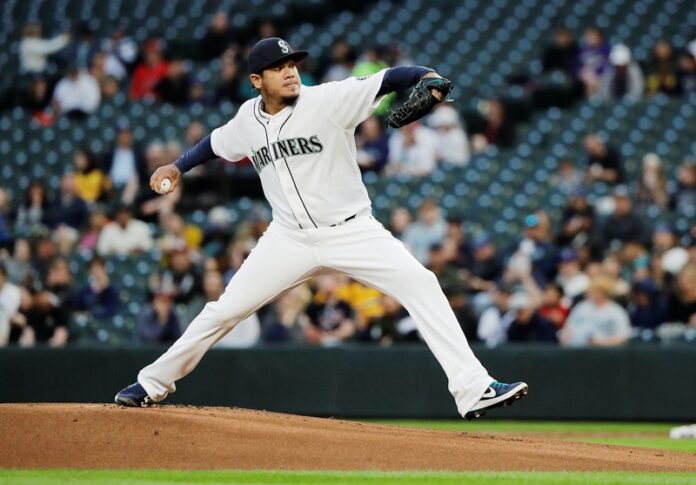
[412, 150]
[10, 301]
[124, 235]
[452, 143]
[77, 94]
[34, 51]
[597, 320]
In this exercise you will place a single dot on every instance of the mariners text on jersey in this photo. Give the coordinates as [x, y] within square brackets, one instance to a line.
[287, 148]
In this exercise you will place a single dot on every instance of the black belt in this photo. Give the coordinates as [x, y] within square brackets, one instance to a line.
[345, 220]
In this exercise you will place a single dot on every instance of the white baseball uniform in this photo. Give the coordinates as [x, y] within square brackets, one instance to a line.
[305, 157]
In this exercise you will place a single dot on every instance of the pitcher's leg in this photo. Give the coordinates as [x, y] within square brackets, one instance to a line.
[275, 264]
[378, 259]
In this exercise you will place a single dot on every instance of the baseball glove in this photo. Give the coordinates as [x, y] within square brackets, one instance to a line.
[420, 102]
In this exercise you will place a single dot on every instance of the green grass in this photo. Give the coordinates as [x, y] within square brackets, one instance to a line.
[158, 477]
[571, 431]
[560, 427]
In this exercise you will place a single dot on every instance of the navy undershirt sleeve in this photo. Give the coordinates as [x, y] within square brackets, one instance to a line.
[202, 152]
[402, 77]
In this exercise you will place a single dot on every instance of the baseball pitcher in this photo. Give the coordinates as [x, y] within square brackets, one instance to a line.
[301, 141]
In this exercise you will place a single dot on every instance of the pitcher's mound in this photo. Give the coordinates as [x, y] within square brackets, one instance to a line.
[176, 437]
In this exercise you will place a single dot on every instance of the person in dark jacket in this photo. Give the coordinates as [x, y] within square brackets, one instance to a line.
[159, 323]
[528, 325]
[99, 297]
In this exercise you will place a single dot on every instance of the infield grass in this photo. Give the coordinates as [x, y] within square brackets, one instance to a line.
[158, 477]
[643, 435]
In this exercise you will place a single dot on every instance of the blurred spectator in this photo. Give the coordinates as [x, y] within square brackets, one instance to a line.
[91, 183]
[624, 224]
[34, 51]
[603, 162]
[81, 48]
[441, 257]
[593, 59]
[285, 321]
[413, 150]
[159, 324]
[38, 97]
[217, 39]
[486, 267]
[121, 52]
[150, 72]
[623, 77]
[371, 62]
[365, 301]
[554, 307]
[578, 224]
[497, 127]
[686, 73]
[330, 319]
[597, 320]
[90, 238]
[652, 185]
[47, 321]
[44, 253]
[266, 28]
[562, 53]
[464, 311]
[681, 306]
[97, 69]
[124, 235]
[451, 141]
[664, 239]
[683, 193]
[399, 222]
[175, 86]
[495, 320]
[534, 252]
[568, 179]
[646, 308]
[662, 71]
[125, 166]
[570, 275]
[18, 267]
[527, 324]
[372, 145]
[33, 210]
[68, 209]
[181, 280]
[228, 88]
[342, 62]
[5, 211]
[177, 235]
[110, 87]
[429, 229]
[10, 300]
[77, 95]
[99, 298]
[390, 327]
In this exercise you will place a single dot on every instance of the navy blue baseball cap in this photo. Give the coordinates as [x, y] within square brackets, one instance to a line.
[267, 52]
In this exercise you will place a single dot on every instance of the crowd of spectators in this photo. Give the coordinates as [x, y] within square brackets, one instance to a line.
[598, 276]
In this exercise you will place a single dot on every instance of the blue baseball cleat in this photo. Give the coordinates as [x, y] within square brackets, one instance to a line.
[498, 394]
[133, 396]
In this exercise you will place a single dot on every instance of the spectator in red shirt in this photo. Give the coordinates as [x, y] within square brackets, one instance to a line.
[149, 73]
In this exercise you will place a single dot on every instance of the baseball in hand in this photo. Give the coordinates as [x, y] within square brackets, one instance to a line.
[165, 186]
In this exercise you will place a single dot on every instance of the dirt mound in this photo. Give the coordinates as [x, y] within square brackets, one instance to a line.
[176, 437]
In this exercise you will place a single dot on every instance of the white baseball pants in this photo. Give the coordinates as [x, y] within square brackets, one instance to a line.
[360, 248]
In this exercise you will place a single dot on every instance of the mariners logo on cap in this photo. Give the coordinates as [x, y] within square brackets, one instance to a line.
[283, 46]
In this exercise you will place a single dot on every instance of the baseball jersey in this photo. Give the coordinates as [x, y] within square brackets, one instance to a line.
[305, 154]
